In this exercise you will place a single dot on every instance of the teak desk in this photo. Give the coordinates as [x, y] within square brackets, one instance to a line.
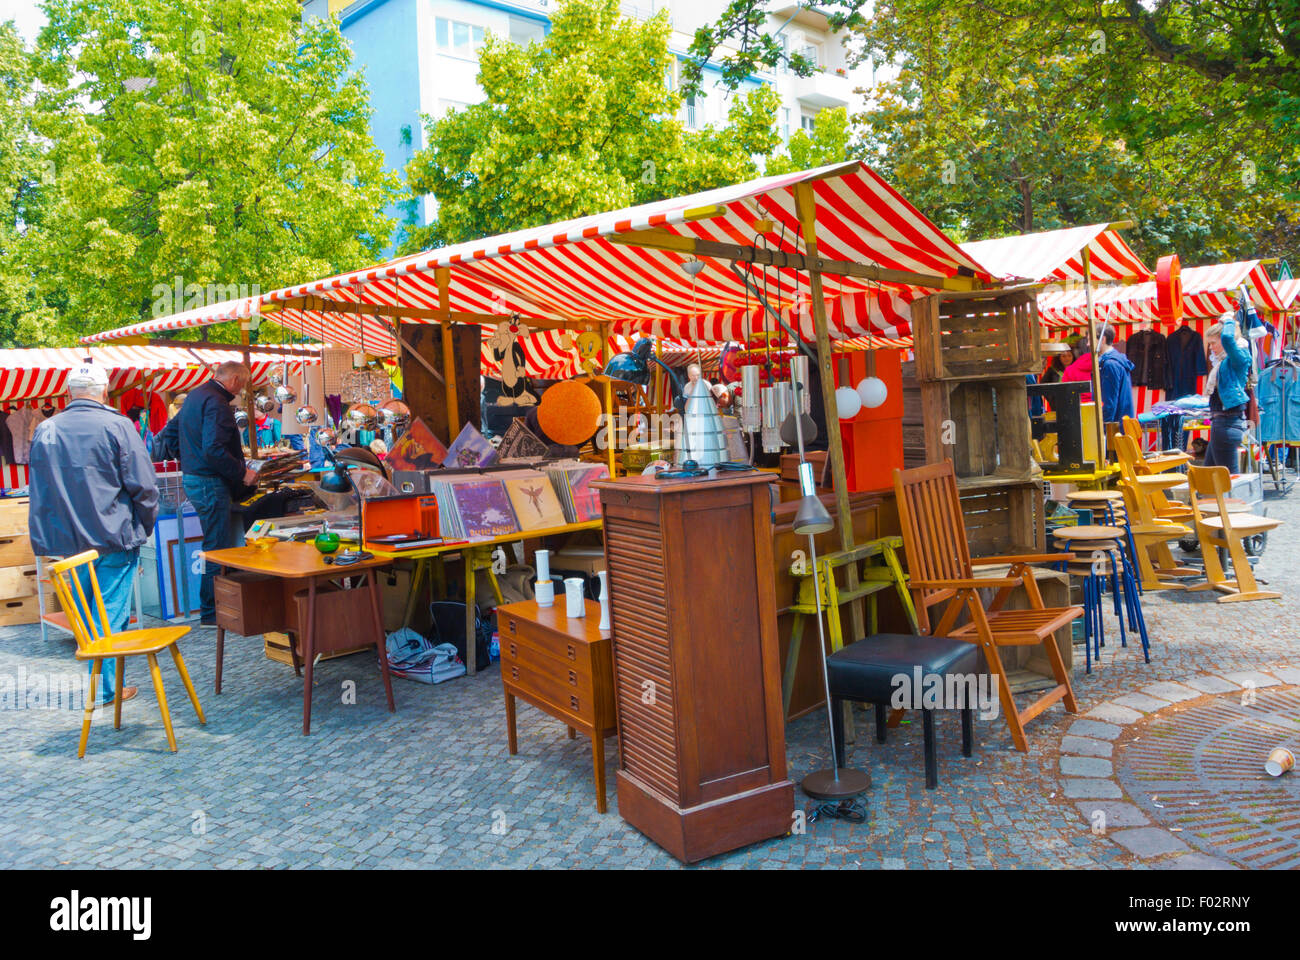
[248, 607]
[563, 666]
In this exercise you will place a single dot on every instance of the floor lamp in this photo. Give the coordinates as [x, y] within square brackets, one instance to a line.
[812, 518]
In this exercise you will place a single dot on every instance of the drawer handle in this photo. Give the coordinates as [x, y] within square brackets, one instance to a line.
[573, 651]
[514, 673]
[514, 651]
[573, 702]
[573, 678]
[511, 625]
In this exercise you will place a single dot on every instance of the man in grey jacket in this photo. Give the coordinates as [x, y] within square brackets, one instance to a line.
[93, 488]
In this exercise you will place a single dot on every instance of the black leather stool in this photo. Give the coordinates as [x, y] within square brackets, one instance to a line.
[863, 672]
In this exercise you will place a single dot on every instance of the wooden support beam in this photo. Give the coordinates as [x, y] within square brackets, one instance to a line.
[305, 352]
[663, 240]
[806, 208]
[388, 311]
[443, 277]
[248, 391]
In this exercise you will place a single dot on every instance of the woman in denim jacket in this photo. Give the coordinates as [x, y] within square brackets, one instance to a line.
[1226, 388]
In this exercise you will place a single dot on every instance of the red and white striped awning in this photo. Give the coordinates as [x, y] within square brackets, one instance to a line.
[37, 374]
[573, 273]
[1288, 291]
[1208, 291]
[1058, 255]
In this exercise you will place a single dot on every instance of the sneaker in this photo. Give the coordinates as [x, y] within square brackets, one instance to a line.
[128, 693]
[208, 621]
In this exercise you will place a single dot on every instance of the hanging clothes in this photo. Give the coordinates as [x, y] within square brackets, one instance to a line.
[1146, 348]
[135, 397]
[22, 424]
[6, 439]
[1184, 362]
[1278, 393]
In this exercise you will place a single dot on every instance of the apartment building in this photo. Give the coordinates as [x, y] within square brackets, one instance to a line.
[421, 57]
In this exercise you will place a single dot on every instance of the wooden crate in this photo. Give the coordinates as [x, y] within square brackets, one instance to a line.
[13, 516]
[276, 647]
[16, 551]
[1003, 517]
[981, 425]
[18, 582]
[19, 610]
[976, 333]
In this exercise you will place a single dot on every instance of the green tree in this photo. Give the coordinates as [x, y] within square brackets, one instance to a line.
[224, 144]
[583, 121]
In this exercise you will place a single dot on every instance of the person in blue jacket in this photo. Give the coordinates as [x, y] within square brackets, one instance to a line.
[1116, 374]
[1226, 389]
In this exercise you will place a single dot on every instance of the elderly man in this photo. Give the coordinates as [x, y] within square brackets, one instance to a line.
[212, 461]
[93, 488]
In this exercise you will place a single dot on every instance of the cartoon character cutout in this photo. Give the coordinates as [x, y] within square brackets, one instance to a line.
[589, 352]
[508, 351]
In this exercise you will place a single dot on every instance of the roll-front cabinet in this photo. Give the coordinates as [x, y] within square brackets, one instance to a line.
[702, 765]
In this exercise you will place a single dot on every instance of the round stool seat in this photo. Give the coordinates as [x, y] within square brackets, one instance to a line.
[1095, 496]
[1087, 532]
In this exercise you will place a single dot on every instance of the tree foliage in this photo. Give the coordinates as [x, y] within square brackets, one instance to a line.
[223, 144]
[583, 121]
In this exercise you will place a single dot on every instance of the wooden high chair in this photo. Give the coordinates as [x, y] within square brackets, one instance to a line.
[1151, 484]
[940, 568]
[1225, 530]
[1152, 462]
[97, 646]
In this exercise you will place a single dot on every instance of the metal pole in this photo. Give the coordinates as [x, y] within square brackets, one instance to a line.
[1096, 360]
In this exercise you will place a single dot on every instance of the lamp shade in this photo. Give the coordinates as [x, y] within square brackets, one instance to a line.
[812, 517]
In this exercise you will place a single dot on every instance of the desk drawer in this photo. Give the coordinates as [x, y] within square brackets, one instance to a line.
[567, 672]
[248, 603]
[573, 652]
[566, 699]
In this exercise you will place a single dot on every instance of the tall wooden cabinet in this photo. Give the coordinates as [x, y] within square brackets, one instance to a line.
[702, 766]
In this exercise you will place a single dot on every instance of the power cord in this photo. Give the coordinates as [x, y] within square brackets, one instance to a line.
[852, 810]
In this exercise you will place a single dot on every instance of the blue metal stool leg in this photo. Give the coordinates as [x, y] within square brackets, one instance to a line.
[1115, 576]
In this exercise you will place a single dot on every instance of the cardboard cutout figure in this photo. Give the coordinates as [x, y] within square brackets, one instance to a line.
[508, 352]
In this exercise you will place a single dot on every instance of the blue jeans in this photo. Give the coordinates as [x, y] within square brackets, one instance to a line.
[116, 575]
[1225, 441]
[210, 498]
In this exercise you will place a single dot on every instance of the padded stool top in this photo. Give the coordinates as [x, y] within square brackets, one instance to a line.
[864, 671]
[1088, 532]
[1096, 496]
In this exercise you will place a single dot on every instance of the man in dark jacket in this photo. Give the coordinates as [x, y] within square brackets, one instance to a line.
[1115, 372]
[93, 488]
[212, 461]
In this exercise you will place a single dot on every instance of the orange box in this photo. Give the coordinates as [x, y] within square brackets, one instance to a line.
[405, 515]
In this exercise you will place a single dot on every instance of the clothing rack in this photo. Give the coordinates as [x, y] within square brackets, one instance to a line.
[1291, 359]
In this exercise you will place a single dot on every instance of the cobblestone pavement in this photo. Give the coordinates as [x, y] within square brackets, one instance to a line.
[426, 787]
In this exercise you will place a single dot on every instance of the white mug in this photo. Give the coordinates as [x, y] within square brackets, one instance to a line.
[575, 600]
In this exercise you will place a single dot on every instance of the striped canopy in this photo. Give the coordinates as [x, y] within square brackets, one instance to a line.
[574, 275]
[1207, 292]
[1288, 291]
[1058, 255]
[37, 374]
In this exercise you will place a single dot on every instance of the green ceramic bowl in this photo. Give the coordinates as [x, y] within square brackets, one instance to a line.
[327, 542]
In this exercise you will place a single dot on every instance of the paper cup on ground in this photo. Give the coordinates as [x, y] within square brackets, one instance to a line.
[574, 601]
[545, 593]
[1279, 762]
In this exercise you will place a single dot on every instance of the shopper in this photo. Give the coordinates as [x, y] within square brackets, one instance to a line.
[1226, 388]
[212, 462]
[1116, 374]
[93, 488]
[1080, 368]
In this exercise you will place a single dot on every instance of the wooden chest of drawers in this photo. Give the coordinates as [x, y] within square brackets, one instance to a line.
[562, 666]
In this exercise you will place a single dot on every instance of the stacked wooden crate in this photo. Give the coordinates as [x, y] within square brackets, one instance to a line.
[19, 584]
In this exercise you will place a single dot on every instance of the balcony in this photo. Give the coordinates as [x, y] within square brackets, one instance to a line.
[823, 89]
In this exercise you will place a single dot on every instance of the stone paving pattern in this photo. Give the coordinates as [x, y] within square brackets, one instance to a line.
[434, 786]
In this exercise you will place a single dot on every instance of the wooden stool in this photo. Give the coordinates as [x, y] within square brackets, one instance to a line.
[1105, 547]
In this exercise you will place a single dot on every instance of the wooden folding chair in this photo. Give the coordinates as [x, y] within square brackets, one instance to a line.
[1151, 484]
[1221, 527]
[939, 567]
[98, 645]
[1152, 462]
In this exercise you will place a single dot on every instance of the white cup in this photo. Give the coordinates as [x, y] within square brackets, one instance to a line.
[543, 561]
[545, 593]
[574, 599]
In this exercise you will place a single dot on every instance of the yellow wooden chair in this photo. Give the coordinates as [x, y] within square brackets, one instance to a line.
[1148, 463]
[1151, 485]
[95, 646]
[1224, 528]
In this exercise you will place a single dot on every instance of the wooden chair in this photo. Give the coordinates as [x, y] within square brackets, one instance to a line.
[1152, 462]
[1151, 485]
[940, 568]
[1224, 529]
[97, 646]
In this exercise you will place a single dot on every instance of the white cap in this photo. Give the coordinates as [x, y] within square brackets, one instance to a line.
[88, 375]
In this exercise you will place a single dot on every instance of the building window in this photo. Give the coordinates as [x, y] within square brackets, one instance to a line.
[459, 39]
[807, 121]
[690, 112]
[785, 123]
[812, 52]
[524, 31]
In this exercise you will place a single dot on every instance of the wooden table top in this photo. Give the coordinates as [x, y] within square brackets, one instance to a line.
[587, 629]
[289, 560]
[452, 546]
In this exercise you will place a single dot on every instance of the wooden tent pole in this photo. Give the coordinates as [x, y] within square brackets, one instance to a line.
[249, 410]
[806, 207]
[1096, 360]
[610, 433]
[443, 276]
